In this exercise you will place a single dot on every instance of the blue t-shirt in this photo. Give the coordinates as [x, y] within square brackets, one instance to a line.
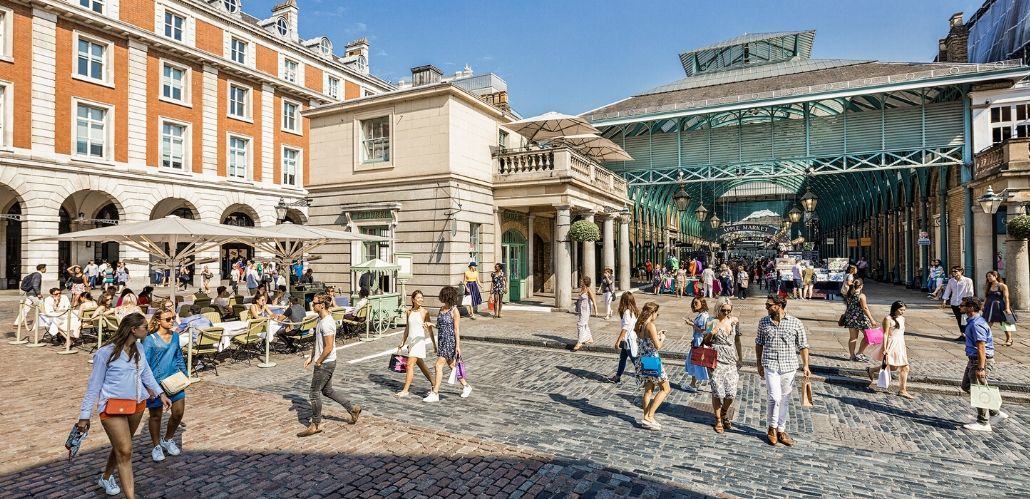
[977, 329]
[701, 321]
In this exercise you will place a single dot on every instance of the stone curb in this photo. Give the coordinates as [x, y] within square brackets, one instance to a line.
[1016, 392]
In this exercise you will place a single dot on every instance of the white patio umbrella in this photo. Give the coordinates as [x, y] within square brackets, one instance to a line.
[551, 125]
[596, 147]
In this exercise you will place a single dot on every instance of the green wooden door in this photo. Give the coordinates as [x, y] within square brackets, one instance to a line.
[513, 255]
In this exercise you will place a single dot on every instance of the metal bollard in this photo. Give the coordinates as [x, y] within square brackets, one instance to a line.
[68, 336]
[21, 320]
[268, 335]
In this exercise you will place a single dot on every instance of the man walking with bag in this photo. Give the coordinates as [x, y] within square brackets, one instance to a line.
[780, 339]
[324, 357]
[959, 288]
[980, 351]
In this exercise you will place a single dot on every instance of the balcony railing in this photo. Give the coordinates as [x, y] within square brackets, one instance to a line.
[528, 165]
[1012, 154]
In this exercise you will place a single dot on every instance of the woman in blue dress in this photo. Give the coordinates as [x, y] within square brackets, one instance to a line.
[700, 328]
[164, 354]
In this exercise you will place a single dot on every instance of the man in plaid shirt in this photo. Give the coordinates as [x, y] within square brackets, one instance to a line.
[780, 338]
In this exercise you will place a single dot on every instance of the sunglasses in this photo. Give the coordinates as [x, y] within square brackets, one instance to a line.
[726, 310]
[770, 305]
[317, 303]
[166, 319]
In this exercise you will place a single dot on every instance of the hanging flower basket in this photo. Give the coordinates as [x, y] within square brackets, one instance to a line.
[1019, 227]
[584, 230]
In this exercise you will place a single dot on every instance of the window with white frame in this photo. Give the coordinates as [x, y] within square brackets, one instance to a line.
[173, 145]
[238, 50]
[3, 115]
[291, 120]
[375, 140]
[239, 101]
[174, 25]
[239, 157]
[502, 139]
[290, 69]
[231, 6]
[1010, 121]
[475, 241]
[291, 159]
[91, 59]
[94, 5]
[332, 87]
[282, 26]
[375, 249]
[91, 131]
[174, 82]
[5, 16]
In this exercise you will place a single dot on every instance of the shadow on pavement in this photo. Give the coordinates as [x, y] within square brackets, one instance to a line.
[404, 470]
[589, 409]
[584, 374]
[302, 406]
[916, 417]
[559, 339]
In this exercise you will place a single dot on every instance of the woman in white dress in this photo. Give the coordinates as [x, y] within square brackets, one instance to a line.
[892, 352]
[417, 332]
[586, 306]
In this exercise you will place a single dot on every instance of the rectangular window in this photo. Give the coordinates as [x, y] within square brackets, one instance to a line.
[238, 50]
[3, 115]
[290, 160]
[238, 157]
[3, 33]
[290, 121]
[173, 25]
[375, 249]
[290, 70]
[173, 83]
[91, 59]
[332, 87]
[502, 139]
[375, 140]
[1010, 121]
[475, 241]
[91, 131]
[94, 5]
[239, 101]
[173, 146]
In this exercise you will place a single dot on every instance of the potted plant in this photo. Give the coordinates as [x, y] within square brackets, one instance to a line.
[583, 231]
[1019, 227]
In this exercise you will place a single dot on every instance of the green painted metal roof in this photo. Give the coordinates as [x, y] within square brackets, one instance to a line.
[748, 49]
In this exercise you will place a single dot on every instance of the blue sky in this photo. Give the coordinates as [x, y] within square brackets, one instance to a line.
[572, 56]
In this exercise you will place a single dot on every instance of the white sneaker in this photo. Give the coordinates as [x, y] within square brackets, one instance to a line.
[977, 426]
[432, 397]
[401, 395]
[110, 485]
[169, 445]
[999, 417]
[465, 392]
[157, 454]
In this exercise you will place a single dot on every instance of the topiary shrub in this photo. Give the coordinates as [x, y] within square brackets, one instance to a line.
[584, 230]
[1019, 227]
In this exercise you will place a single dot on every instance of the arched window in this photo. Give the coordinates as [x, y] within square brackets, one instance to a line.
[282, 26]
[231, 6]
[327, 47]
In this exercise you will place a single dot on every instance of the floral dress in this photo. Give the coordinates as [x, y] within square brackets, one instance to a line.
[498, 287]
[647, 349]
[854, 316]
[724, 376]
[446, 344]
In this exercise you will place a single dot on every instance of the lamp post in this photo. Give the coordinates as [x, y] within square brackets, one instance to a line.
[282, 207]
[809, 200]
[1018, 274]
[794, 214]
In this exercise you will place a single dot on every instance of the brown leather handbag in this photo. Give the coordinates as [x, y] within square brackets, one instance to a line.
[704, 356]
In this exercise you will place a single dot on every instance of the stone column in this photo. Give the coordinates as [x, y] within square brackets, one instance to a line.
[1017, 265]
[563, 259]
[42, 119]
[530, 256]
[40, 224]
[589, 263]
[625, 266]
[982, 248]
[609, 241]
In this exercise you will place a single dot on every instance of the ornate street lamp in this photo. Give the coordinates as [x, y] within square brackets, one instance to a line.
[990, 202]
[701, 213]
[682, 198]
[715, 221]
[282, 207]
[794, 214]
[809, 200]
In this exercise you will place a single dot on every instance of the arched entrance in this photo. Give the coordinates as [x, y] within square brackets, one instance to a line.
[172, 207]
[513, 255]
[235, 251]
[85, 210]
[11, 234]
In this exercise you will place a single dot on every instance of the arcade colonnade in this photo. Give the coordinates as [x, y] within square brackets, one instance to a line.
[37, 203]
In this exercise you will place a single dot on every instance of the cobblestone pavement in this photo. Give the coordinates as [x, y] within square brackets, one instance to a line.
[934, 356]
[540, 422]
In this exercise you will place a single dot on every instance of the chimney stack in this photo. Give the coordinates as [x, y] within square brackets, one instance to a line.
[425, 75]
[955, 46]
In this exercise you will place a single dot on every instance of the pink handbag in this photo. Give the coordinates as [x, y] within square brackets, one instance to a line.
[874, 336]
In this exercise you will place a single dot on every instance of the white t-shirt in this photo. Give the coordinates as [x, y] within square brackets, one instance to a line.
[629, 323]
[797, 272]
[326, 327]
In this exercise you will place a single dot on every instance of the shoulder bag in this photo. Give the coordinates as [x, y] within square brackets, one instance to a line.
[651, 366]
[704, 356]
[124, 407]
[175, 383]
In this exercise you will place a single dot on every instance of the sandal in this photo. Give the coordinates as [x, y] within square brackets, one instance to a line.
[1008, 343]
[718, 427]
[906, 395]
[727, 424]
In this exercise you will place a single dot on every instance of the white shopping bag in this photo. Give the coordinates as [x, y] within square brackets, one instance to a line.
[884, 380]
[984, 397]
[453, 378]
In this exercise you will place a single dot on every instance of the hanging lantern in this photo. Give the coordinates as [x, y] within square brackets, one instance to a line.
[809, 200]
[794, 215]
[990, 202]
[682, 198]
[701, 213]
[715, 221]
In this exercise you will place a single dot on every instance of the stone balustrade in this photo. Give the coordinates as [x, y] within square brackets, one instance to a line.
[1012, 154]
[527, 165]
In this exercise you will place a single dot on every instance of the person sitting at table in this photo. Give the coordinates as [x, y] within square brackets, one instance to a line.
[145, 296]
[221, 297]
[281, 297]
[127, 306]
[362, 303]
[330, 291]
[259, 308]
[308, 277]
[294, 315]
[194, 323]
[126, 291]
[53, 319]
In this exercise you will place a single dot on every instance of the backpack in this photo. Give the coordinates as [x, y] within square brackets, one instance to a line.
[26, 283]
